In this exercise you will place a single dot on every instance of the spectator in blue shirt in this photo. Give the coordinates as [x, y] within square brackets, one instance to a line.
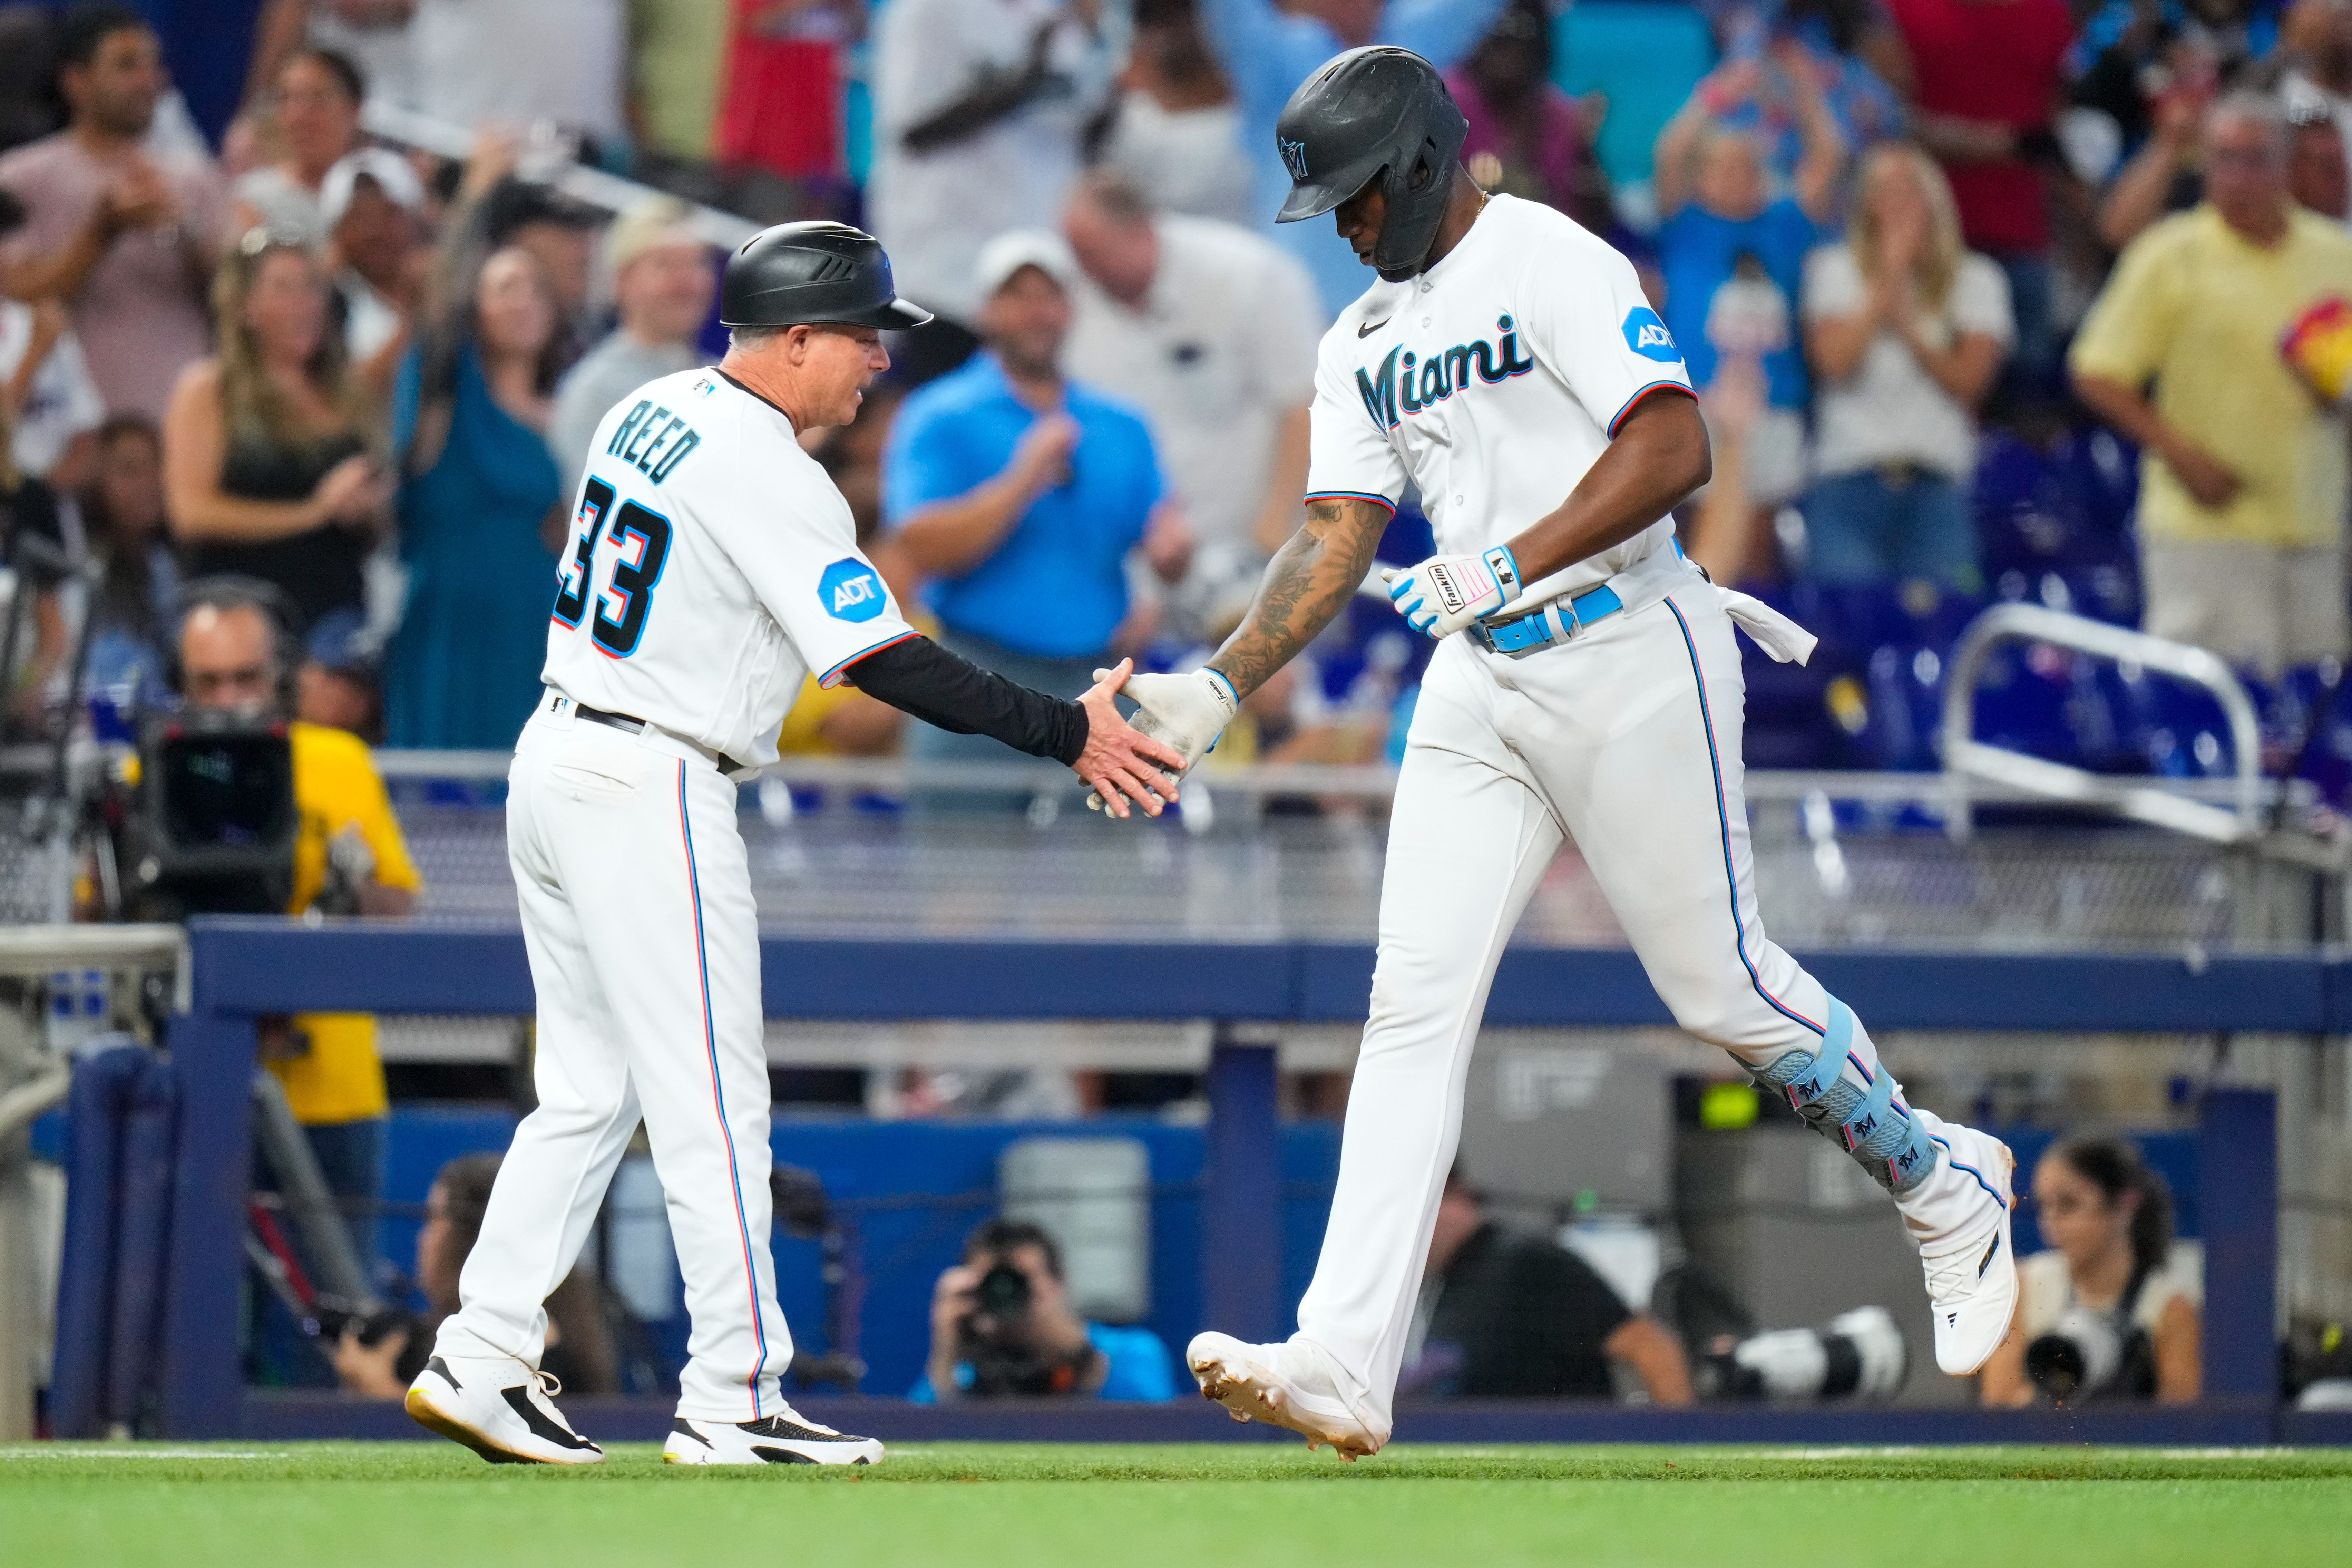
[1268, 50]
[1732, 251]
[1001, 1325]
[1022, 494]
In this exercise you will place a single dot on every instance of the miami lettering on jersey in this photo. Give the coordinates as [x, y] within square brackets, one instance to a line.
[654, 439]
[1406, 382]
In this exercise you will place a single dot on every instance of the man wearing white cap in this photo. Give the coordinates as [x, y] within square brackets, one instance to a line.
[1021, 494]
[372, 206]
[662, 283]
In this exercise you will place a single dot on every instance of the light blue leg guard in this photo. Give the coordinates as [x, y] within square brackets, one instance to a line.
[1844, 1098]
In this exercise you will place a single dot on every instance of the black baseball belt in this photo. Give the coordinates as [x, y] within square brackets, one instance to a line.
[632, 726]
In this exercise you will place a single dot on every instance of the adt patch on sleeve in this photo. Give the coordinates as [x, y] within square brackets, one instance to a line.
[851, 592]
[1647, 336]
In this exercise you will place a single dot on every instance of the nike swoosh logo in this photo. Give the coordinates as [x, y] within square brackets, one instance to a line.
[1369, 328]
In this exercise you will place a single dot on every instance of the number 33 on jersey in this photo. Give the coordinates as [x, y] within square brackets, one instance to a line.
[712, 567]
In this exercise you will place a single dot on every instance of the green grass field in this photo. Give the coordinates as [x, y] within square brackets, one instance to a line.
[420, 1505]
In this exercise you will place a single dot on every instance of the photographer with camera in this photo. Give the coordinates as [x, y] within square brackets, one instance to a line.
[2100, 1316]
[1001, 1325]
[1505, 1316]
[237, 662]
[379, 1358]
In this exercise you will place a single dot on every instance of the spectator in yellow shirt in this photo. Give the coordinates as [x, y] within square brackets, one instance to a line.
[2244, 473]
[350, 857]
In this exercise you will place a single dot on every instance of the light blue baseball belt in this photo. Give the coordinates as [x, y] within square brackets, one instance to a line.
[1553, 621]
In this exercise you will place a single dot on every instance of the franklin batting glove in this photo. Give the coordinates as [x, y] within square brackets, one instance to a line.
[1188, 712]
[1447, 593]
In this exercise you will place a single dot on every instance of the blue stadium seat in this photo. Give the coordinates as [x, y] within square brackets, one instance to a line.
[2178, 730]
[1885, 650]
[1795, 710]
[1645, 56]
[2308, 720]
[2026, 701]
[2066, 508]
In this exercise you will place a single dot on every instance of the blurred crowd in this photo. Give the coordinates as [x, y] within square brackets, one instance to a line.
[1986, 299]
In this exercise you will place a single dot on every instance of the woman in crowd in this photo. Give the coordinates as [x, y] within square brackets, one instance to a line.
[314, 122]
[32, 559]
[2108, 1220]
[481, 511]
[579, 1342]
[268, 469]
[1906, 330]
[122, 519]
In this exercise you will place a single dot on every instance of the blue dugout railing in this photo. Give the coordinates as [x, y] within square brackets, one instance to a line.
[246, 967]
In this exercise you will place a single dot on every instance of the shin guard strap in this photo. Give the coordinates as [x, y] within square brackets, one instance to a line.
[1805, 1079]
[1912, 1157]
[1865, 1130]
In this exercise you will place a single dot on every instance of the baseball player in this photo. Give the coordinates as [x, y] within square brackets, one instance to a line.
[712, 569]
[1586, 685]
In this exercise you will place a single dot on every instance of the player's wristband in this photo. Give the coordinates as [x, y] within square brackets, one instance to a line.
[1505, 568]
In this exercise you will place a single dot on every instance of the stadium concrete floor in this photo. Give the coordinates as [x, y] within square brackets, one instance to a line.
[413, 1504]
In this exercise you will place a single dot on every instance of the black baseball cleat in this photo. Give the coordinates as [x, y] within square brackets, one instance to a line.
[782, 1439]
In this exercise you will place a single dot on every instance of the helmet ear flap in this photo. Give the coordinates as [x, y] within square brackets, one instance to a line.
[1424, 169]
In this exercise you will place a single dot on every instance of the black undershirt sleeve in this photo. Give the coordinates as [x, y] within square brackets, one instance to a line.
[918, 676]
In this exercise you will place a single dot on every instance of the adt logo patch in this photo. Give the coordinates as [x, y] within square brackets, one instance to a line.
[1647, 336]
[850, 592]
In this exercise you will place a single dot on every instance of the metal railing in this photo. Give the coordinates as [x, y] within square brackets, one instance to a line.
[2236, 817]
[1373, 782]
[611, 193]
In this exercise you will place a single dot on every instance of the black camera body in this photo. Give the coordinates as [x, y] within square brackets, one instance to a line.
[332, 1317]
[212, 825]
[993, 1340]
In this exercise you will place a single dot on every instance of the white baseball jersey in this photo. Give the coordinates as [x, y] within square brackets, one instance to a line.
[1493, 381]
[714, 566]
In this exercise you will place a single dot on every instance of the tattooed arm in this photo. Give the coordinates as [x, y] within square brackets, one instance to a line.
[1308, 583]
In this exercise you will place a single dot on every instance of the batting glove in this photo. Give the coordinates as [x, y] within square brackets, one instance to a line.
[1188, 712]
[1447, 593]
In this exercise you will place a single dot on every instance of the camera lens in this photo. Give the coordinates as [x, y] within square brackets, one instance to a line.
[2079, 1355]
[2055, 1366]
[1003, 1293]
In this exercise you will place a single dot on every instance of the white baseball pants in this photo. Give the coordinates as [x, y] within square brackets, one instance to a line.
[1626, 738]
[645, 950]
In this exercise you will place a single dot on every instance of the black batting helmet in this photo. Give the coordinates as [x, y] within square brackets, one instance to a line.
[813, 274]
[1375, 113]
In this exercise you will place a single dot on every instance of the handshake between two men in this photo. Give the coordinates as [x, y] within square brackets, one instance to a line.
[1180, 716]
[1184, 714]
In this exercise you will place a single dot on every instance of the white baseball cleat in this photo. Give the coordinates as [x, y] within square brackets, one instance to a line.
[500, 1408]
[785, 1438]
[1959, 1220]
[1282, 1385]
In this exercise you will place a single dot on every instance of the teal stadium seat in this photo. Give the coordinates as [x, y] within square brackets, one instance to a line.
[1645, 56]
